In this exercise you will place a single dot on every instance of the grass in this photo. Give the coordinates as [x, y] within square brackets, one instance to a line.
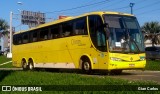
[4, 59]
[50, 78]
[69, 79]
[9, 65]
[153, 65]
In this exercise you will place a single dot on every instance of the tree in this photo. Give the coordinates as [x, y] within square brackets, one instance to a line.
[3, 27]
[152, 29]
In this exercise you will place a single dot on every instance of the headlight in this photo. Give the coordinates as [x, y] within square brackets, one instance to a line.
[115, 59]
[142, 58]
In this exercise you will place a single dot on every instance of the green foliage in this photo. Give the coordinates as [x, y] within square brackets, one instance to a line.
[153, 65]
[4, 59]
[151, 27]
[51, 78]
[9, 65]
[3, 27]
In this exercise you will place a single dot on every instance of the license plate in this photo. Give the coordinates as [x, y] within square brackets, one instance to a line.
[131, 65]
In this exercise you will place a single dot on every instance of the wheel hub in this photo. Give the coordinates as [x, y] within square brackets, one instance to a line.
[86, 66]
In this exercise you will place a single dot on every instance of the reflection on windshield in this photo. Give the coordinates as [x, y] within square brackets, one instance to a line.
[125, 35]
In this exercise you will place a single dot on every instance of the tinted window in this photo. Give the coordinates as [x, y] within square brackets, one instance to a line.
[44, 34]
[152, 48]
[25, 38]
[147, 49]
[15, 39]
[155, 49]
[97, 32]
[34, 36]
[55, 31]
[67, 29]
[80, 26]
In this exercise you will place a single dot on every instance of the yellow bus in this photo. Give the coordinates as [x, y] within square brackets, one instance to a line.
[93, 41]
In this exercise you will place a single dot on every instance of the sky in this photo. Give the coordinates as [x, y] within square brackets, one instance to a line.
[144, 10]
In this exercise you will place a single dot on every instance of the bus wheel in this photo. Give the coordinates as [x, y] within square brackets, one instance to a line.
[24, 65]
[116, 72]
[86, 66]
[30, 64]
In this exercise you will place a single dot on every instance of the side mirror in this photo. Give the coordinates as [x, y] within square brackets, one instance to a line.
[106, 28]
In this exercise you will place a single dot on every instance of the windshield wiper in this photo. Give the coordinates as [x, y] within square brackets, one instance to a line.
[135, 43]
[131, 40]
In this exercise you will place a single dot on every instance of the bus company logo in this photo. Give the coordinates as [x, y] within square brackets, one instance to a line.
[6, 88]
[131, 58]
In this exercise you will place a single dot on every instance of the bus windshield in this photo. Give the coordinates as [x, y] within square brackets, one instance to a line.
[125, 35]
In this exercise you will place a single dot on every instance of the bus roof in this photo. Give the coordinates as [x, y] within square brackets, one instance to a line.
[70, 18]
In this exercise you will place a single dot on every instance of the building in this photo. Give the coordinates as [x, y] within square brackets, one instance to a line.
[149, 38]
[4, 43]
[0, 44]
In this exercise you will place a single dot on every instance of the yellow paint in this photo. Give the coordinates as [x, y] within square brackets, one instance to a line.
[71, 49]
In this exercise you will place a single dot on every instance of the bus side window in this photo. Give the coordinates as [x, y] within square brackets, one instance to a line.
[15, 39]
[80, 26]
[67, 29]
[20, 41]
[54, 31]
[34, 36]
[67, 33]
[44, 34]
[25, 38]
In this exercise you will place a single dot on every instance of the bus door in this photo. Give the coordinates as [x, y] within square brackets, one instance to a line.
[98, 39]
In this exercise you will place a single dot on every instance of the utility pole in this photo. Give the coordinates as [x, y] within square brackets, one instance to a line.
[9, 55]
[131, 5]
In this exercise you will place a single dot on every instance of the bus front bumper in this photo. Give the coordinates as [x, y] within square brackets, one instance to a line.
[126, 65]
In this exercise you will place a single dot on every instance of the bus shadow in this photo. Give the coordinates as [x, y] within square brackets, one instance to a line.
[4, 74]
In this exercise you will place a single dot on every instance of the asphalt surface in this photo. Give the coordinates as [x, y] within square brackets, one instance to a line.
[139, 75]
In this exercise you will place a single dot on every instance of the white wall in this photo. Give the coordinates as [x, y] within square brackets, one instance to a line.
[1, 43]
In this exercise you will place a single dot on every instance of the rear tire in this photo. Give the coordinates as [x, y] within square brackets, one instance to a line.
[24, 65]
[30, 65]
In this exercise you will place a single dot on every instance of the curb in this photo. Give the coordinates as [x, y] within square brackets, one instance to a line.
[143, 71]
[11, 69]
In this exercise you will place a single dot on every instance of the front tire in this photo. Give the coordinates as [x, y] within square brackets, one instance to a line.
[86, 66]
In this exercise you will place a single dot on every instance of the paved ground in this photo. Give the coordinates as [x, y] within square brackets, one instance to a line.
[139, 75]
